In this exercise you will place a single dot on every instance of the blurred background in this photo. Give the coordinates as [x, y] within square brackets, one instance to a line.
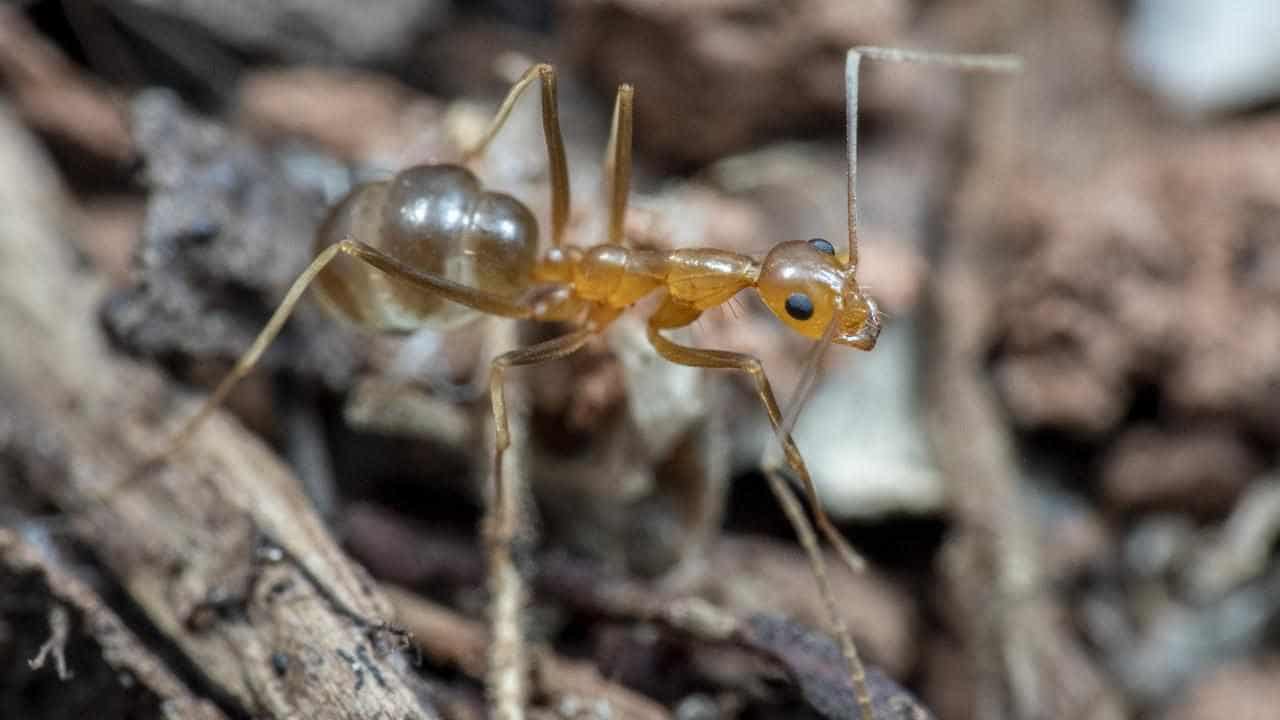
[1060, 460]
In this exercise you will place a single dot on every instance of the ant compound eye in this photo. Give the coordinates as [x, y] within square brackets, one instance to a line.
[799, 306]
[822, 246]
[801, 287]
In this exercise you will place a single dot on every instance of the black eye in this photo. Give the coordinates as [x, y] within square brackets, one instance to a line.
[799, 306]
[823, 246]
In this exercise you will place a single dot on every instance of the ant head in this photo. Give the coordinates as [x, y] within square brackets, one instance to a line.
[808, 288]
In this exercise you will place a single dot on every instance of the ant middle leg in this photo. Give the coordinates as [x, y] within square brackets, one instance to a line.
[557, 165]
[672, 315]
[508, 665]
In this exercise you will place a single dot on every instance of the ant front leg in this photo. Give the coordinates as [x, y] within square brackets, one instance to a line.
[508, 665]
[672, 315]
[557, 166]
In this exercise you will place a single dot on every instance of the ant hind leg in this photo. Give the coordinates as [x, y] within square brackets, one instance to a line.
[244, 365]
[471, 297]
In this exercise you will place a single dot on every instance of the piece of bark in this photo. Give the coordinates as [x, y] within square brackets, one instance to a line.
[218, 547]
[814, 662]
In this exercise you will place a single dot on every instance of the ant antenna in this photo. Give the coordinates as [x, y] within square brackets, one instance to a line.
[853, 61]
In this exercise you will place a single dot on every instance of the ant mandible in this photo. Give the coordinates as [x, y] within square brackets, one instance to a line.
[431, 248]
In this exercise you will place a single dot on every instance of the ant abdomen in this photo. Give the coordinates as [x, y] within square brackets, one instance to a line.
[438, 219]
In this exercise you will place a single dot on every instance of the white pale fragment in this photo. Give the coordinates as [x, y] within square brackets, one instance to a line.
[1207, 56]
[863, 437]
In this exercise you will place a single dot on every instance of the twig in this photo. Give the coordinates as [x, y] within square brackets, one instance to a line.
[508, 658]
